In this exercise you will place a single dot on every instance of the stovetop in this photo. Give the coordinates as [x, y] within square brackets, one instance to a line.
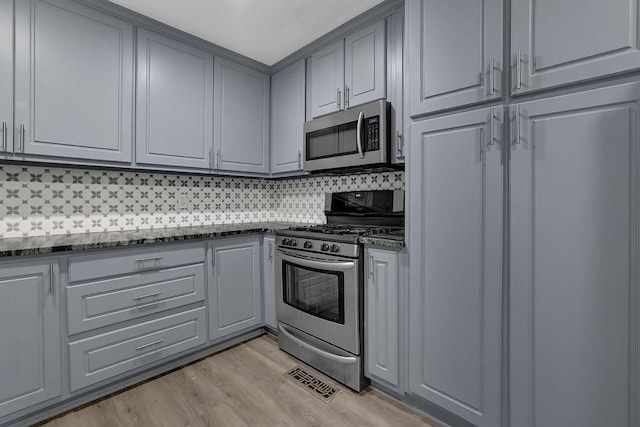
[338, 232]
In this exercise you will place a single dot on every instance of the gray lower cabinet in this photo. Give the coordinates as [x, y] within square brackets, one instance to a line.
[174, 103]
[287, 118]
[30, 354]
[106, 355]
[455, 246]
[73, 82]
[6, 76]
[574, 291]
[241, 118]
[268, 281]
[604, 41]
[382, 320]
[454, 53]
[235, 298]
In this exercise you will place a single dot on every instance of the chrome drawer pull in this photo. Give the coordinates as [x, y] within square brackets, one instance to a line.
[156, 261]
[153, 295]
[142, 347]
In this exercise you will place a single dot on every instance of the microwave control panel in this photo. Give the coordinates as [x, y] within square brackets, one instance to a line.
[373, 134]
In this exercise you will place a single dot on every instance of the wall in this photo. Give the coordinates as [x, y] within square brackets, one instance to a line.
[39, 201]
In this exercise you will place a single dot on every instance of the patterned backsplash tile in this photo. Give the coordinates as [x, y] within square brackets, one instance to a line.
[39, 201]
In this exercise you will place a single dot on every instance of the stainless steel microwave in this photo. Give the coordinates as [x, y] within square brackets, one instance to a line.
[354, 138]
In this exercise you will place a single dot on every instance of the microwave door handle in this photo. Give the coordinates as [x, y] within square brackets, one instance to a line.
[359, 135]
[322, 265]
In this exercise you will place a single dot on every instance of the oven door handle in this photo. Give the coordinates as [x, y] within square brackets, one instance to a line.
[336, 358]
[323, 265]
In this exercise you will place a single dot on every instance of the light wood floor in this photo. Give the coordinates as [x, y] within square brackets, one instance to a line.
[239, 387]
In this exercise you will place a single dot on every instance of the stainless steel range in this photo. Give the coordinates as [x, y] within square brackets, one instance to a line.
[320, 282]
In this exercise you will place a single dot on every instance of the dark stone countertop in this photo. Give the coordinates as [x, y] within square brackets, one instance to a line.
[388, 240]
[75, 242]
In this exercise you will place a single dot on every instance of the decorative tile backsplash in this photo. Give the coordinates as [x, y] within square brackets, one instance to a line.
[39, 201]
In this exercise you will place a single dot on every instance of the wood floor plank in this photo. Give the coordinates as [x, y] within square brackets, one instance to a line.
[242, 386]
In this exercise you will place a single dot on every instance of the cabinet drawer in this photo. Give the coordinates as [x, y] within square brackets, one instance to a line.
[100, 265]
[104, 356]
[105, 302]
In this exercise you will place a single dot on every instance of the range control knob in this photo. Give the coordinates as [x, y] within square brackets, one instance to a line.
[324, 247]
[293, 242]
[335, 248]
[286, 241]
[308, 245]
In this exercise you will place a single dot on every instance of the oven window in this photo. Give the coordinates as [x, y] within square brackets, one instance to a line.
[316, 292]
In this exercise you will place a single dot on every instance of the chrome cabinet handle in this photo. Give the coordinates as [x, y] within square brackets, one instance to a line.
[346, 97]
[492, 76]
[299, 159]
[4, 136]
[210, 159]
[338, 93]
[359, 135]
[142, 347]
[371, 266]
[270, 251]
[156, 261]
[400, 147]
[218, 159]
[517, 125]
[494, 132]
[519, 69]
[22, 131]
[153, 295]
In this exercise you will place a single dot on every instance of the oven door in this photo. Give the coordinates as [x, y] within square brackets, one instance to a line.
[320, 296]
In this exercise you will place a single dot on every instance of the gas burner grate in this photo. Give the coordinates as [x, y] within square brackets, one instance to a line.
[313, 384]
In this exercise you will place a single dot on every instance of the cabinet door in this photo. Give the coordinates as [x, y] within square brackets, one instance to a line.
[327, 79]
[287, 118]
[269, 277]
[364, 65]
[74, 82]
[30, 370]
[235, 300]
[174, 121]
[241, 118]
[455, 53]
[456, 252]
[6, 76]
[560, 42]
[574, 295]
[382, 320]
[395, 83]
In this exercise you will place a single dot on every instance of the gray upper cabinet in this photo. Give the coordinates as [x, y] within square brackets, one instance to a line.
[382, 318]
[241, 118]
[6, 76]
[327, 79]
[364, 65]
[560, 42]
[349, 72]
[454, 53]
[287, 118]
[74, 82]
[455, 307]
[30, 354]
[574, 293]
[395, 83]
[174, 120]
[235, 298]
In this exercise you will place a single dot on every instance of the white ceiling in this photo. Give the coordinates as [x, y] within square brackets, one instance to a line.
[265, 30]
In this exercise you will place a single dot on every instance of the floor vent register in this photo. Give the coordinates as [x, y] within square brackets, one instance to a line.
[313, 384]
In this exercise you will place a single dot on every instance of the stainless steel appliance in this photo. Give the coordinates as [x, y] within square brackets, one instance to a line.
[354, 138]
[320, 282]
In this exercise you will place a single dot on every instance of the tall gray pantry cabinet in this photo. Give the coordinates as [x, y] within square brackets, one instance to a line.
[574, 297]
[455, 301]
[73, 82]
[31, 362]
[6, 77]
